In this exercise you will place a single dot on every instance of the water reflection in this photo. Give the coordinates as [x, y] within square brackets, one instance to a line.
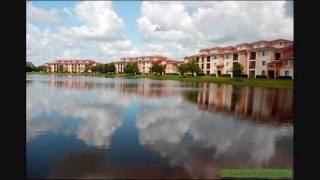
[85, 127]
[99, 165]
[147, 87]
[258, 104]
[203, 142]
[92, 116]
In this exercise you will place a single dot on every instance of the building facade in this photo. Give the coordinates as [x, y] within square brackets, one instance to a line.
[267, 58]
[146, 62]
[72, 66]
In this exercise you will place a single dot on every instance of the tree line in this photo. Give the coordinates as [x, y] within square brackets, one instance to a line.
[190, 67]
[35, 68]
[104, 68]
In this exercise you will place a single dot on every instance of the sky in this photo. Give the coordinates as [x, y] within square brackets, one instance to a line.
[105, 31]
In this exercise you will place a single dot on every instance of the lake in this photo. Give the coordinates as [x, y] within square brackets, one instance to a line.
[94, 127]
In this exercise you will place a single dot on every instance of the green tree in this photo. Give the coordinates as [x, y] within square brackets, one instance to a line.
[183, 68]
[237, 69]
[193, 67]
[43, 68]
[60, 68]
[131, 68]
[28, 69]
[97, 69]
[105, 68]
[112, 68]
[94, 69]
[157, 69]
[35, 69]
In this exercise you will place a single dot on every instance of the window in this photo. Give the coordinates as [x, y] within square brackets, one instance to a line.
[277, 56]
[253, 55]
[263, 53]
[208, 66]
[252, 65]
[201, 66]
[286, 62]
[263, 63]
[227, 64]
[235, 56]
[286, 73]
[263, 73]
[208, 58]
[197, 59]
[280, 43]
[202, 59]
[215, 57]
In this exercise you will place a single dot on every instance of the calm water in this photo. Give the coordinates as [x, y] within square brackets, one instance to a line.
[89, 127]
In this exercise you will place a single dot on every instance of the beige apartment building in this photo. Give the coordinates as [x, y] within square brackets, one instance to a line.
[269, 58]
[146, 62]
[72, 66]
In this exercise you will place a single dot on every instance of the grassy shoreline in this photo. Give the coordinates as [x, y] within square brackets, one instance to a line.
[269, 83]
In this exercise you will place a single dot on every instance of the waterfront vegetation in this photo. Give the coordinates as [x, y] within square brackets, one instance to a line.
[272, 83]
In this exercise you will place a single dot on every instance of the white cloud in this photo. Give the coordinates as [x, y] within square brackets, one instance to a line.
[99, 33]
[35, 14]
[215, 23]
[100, 25]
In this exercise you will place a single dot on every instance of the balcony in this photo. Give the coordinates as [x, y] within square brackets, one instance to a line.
[235, 57]
[277, 56]
[253, 56]
[252, 65]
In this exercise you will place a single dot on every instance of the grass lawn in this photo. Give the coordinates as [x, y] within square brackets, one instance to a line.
[272, 83]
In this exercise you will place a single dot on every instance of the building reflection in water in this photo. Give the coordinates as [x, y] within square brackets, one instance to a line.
[204, 142]
[71, 84]
[147, 87]
[190, 130]
[254, 103]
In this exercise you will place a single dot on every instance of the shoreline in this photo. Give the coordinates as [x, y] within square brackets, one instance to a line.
[267, 83]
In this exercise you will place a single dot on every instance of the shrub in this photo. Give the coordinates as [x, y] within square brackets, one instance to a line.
[284, 77]
[172, 73]
[241, 75]
[225, 75]
[261, 77]
[201, 74]
[213, 75]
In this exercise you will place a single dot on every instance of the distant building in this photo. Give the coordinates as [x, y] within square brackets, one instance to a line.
[29, 64]
[269, 58]
[72, 66]
[146, 62]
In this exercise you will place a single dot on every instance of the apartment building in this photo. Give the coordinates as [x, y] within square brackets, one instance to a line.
[268, 58]
[72, 66]
[146, 62]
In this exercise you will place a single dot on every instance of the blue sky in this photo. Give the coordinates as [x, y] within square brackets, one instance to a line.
[107, 30]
